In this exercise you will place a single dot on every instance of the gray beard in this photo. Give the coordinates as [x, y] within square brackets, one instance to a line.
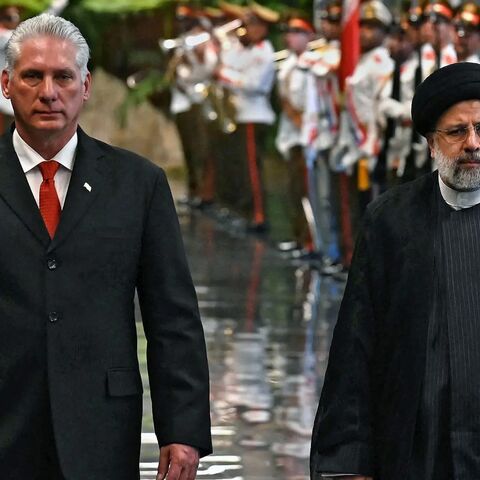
[454, 174]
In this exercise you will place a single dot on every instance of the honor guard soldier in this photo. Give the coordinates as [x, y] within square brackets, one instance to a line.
[192, 66]
[248, 71]
[440, 14]
[326, 104]
[421, 34]
[295, 85]
[409, 150]
[427, 39]
[403, 151]
[394, 108]
[467, 23]
[360, 136]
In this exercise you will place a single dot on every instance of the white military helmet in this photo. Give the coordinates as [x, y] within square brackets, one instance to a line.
[376, 11]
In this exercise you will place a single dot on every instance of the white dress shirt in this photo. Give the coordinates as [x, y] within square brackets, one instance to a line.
[29, 160]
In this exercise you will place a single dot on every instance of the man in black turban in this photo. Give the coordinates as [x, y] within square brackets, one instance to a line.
[401, 398]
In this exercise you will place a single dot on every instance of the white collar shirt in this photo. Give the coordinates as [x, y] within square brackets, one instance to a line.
[456, 199]
[29, 160]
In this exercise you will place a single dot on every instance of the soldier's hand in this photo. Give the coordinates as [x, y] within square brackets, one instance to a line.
[178, 462]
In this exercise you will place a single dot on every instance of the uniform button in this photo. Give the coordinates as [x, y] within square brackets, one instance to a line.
[53, 317]
[52, 264]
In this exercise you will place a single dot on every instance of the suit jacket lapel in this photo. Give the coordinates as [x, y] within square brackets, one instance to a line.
[85, 184]
[16, 192]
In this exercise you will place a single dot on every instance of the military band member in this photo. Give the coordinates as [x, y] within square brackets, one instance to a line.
[406, 152]
[467, 23]
[193, 64]
[215, 15]
[224, 124]
[248, 71]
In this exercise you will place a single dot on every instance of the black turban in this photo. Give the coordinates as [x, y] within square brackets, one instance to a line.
[441, 90]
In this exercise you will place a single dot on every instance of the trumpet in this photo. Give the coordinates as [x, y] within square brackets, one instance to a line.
[313, 45]
[189, 42]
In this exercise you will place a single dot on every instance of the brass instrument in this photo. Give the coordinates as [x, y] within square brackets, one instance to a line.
[217, 106]
[224, 106]
[218, 103]
[191, 41]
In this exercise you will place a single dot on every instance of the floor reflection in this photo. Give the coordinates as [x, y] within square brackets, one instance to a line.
[268, 326]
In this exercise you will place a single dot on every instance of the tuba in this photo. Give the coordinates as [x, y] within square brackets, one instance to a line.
[223, 108]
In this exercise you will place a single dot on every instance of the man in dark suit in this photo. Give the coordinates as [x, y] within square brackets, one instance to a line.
[401, 398]
[84, 225]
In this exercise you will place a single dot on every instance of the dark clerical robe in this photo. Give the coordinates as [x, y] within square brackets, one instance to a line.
[401, 398]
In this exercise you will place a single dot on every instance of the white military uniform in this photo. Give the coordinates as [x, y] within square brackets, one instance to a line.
[360, 135]
[400, 144]
[296, 85]
[325, 104]
[429, 59]
[249, 72]
[448, 55]
[192, 77]
[320, 132]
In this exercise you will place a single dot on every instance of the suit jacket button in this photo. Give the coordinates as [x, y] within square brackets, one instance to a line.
[53, 317]
[52, 264]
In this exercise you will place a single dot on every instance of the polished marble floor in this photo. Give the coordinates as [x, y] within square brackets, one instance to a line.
[268, 324]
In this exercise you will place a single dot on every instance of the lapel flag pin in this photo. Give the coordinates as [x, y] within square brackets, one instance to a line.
[87, 186]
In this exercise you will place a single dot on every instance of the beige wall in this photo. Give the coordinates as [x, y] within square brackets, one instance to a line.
[147, 132]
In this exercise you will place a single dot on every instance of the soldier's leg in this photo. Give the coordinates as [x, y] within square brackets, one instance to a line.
[326, 221]
[223, 159]
[255, 138]
[240, 197]
[297, 190]
[248, 174]
[184, 122]
[208, 192]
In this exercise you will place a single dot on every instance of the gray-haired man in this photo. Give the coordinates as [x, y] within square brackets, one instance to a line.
[83, 225]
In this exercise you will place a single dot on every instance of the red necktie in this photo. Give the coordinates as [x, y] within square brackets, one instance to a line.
[49, 203]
